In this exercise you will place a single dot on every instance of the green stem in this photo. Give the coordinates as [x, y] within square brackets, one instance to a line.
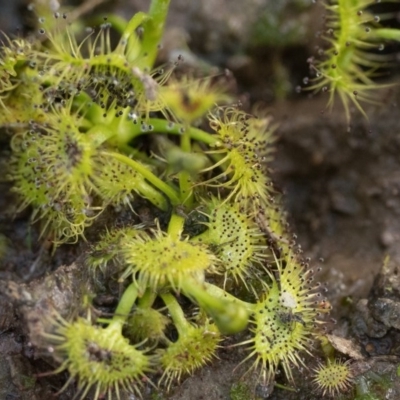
[176, 312]
[284, 387]
[129, 132]
[124, 307]
[147, 300]
[185, 182]
[154, 180]
[91, 110]
[230, 314]
[153, 195]
[153, 31]
[126, 130]
[175, 226]
[219, 293]
[123, 27]
[99, 134]
[130, 28]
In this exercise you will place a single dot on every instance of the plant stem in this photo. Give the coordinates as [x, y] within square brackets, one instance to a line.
[230, 314]
[185, 182]
[284, 387]
[99, 134]
[219, 293]
[124, 307]
[176, 312]
[153, 30]
[126, 130]
[130, 28]
[165, 127]
[175, 226]
[154, 180]
[147, 300]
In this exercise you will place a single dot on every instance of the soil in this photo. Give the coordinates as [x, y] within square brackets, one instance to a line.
[341, 187]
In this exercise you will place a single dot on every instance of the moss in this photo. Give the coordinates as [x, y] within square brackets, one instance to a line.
[374, 386]
[240, 391]
[157, 396]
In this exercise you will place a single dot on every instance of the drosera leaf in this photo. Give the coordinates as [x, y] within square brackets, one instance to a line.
[236, 239]
[285, 321]
[333, 377]
[348, 67]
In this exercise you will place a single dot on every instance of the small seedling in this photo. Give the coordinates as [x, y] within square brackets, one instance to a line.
[333, 378]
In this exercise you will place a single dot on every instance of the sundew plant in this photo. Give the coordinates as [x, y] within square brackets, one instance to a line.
[354, 54]
[96, 127]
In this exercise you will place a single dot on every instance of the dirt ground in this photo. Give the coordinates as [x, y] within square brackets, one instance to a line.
[340, 184]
